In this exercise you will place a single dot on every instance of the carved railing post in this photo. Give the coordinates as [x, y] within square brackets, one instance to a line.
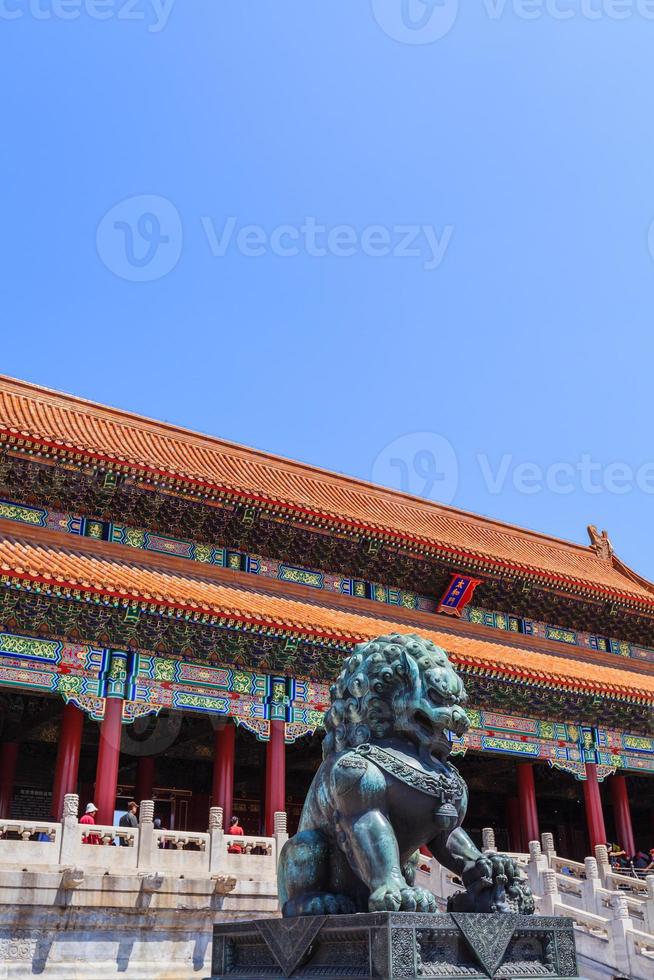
[215, 818]
[146, 813]
[591, 886]
[620, 924]
[549, 850]
[537, 864]
[217, 849]
[550, 892]
[71, 806]
[649, 904]
[488, 845]
[603, 863]
[280, 831]
[146, 850]
[70, 842]
[591, 869]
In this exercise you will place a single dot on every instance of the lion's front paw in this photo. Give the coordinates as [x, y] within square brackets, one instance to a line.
[386, 898]
[393, 898]
[418, 900]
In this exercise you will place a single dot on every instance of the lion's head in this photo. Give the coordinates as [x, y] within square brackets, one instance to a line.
[396, 685]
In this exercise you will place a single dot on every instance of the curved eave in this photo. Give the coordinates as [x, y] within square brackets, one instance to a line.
[89, 574]
[480, 561]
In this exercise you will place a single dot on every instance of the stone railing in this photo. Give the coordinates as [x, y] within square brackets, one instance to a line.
[613, 913]
[81, 900]
[29, 842]
[45, 846]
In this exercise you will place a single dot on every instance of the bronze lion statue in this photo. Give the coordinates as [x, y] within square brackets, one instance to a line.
[385, 789]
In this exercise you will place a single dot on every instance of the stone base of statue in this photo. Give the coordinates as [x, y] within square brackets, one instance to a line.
[389, 945]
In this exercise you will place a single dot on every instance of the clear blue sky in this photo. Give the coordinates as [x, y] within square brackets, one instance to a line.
[517, 152]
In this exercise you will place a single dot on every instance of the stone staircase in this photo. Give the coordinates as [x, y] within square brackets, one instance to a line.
[613, 914]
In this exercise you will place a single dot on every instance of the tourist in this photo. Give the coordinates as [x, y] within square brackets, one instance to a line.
[641, 860]
[235, 830]
[617, 855]
[161, 841]
[43, 836]
[89, 818]
[129, 819]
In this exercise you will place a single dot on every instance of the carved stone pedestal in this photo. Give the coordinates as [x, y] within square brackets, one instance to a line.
[389, 945]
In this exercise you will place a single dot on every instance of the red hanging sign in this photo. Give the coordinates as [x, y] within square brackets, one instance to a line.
[458, 594]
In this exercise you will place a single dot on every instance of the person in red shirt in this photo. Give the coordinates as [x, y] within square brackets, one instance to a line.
[89, 818]
[235, 830]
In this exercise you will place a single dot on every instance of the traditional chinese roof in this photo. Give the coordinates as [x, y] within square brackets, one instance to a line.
[97, 571]
[50, 423]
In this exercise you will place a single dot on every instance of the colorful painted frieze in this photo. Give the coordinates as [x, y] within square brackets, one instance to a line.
[320, 580]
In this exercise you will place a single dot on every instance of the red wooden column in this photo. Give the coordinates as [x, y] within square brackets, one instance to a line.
[144, 786]
[527, 802]
[514, 826]
[275, 774]
[622, 814]
[68, 752]
[106, 774]
[224, 755]
[8, 760]
[594, 814]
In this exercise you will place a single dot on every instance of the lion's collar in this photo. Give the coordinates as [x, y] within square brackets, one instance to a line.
[446, 785]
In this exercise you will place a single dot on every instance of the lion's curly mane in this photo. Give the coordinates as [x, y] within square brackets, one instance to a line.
[362, 696]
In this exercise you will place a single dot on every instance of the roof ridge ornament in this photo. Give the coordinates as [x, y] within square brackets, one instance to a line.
[600, 543]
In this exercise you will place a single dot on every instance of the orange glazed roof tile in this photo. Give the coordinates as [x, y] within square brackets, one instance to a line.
[50, 420]
[91, 568]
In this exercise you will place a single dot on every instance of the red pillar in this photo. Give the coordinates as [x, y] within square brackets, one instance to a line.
[8, 760]
[516, 842]
[622, 814]
[106, 774]
[144, 786]
[224, 754]
[527, 800]
[68, 752]
[275, 774]
[594, 814]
